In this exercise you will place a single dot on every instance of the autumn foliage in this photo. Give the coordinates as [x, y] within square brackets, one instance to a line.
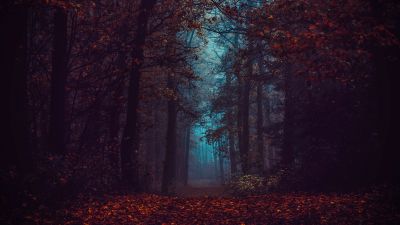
[327, 39]
[295, 98]
[366, 208]
[335, 63]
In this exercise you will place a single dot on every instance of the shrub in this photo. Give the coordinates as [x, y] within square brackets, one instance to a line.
[247, 185]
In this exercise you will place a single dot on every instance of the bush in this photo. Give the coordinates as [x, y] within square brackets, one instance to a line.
[247, 185]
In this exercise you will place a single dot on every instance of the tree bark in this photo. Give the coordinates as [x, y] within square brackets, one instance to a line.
[130, 138]
[244, 119]
[232, 153]
[187, 152]
[231, 135]
[221, 165]
[385, 91]
[58, 82]
[15, 123]
[260, 134]
[170, 155]
[239, 122]
[287, 156]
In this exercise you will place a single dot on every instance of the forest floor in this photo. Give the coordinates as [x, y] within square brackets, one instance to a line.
[291, 208]
[193, 191]
[202, 188]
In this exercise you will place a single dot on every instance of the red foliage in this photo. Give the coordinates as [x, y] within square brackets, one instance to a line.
[325, 39]
[370, 208]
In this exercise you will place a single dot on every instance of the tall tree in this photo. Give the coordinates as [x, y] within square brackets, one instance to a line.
[15, 153]
[58, 82]
[15, 128]
[169, 175]
[130, 139]
[187, 152]
[260, 133]
[243, 119]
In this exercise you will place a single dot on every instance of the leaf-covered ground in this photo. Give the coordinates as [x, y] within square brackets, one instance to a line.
[369, 208]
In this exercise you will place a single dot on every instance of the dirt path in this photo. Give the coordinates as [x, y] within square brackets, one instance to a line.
[202, 188]
[201, 191]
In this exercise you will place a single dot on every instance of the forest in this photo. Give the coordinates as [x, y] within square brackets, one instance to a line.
[199, 112]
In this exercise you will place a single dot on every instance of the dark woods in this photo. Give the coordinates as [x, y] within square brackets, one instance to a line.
[88, 90]
[309, 91]
[102, 96]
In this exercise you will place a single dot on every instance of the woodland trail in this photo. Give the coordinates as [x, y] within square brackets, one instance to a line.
[207, 191]
[201, 188]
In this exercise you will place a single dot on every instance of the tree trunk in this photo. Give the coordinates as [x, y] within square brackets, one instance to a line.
[288, 126]
[231, 135]
[130, 139]
[239, 122]
[232, 153]
[221, 164]
[58, 82]
[267, 108]
[157, 148]
[244, 118]
[168, 179]
[15, 151]
[15, 123]
[384, 77]
[187, 152]
[114, 129]
[260, 134]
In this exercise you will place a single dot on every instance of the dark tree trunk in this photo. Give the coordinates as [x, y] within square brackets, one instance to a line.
[169, 175]
[221, 165]
[221, 169]
[15, 122]
[267, 109]
[187, 152]
[287, 150]
[114, 128]
[385, 77]
[232, 153]
[260, 137]
[130, 139]
[384, 95]
[157, 147]
[15, 151]
[239, 122]
[266, 118]
[180, 152]
[58, 82]
[215, 160]
[231, 134]
[114, 119]
[244, 117]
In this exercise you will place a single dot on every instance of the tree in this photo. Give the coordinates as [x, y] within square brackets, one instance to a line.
[169, 173]
[15, 129]
[243, 118]
[15, 156]
[326, 66]
[130, 142]
[58, 82]
[260, 131]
